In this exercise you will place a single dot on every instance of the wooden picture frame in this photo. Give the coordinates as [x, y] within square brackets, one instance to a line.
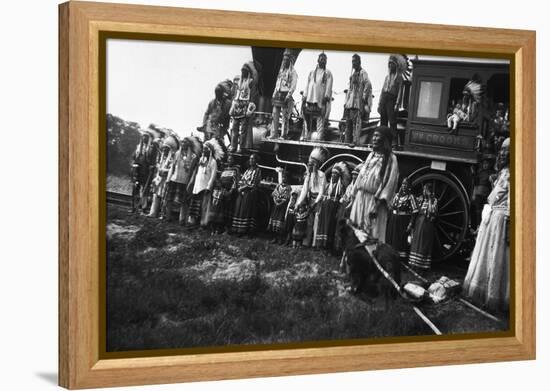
[80, 242]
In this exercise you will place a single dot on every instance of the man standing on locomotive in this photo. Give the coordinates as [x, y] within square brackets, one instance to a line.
[356, 102]
[216, 118]
[313, 189]
[375, 187]
[282, 95]
[243, 106]
[317, 98]
[387, 105]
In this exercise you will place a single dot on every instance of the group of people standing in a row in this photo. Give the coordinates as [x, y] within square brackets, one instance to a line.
[200, 179]
[317, 98]
[361, 194]
[231, 111]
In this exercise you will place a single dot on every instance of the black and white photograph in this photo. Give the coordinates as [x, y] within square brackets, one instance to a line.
[270, 195]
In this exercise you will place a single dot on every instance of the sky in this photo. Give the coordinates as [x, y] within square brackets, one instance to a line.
[170, 83]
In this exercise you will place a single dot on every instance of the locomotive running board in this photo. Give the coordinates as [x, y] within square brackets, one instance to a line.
[342, 146]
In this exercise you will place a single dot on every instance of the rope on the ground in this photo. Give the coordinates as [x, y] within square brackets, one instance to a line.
[488, 315]
[426, 320]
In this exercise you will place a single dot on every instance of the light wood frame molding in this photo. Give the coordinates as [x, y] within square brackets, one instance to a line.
[80, 24]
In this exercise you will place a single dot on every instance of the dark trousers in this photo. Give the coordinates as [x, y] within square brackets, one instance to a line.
[386, 109]
[353, 126]
[239, 133]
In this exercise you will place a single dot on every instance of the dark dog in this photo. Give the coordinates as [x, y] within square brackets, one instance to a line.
[364, 275]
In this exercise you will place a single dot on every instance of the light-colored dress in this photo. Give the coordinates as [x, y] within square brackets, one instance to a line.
[204, 183]
[371, 186]
[487, 282]
[312, 193]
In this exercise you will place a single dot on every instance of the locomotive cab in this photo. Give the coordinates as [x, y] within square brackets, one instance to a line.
[437, 88]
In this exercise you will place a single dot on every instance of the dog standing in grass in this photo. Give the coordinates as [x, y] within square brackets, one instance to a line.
[363, 273]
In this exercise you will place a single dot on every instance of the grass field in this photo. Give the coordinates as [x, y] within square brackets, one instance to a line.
[169, 288]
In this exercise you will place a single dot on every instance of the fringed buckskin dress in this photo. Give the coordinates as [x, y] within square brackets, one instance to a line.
[487, 281]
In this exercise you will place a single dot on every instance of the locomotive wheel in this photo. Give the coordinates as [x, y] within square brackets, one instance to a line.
[453, 217]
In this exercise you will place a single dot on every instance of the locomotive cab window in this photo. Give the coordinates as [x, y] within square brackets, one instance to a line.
[429, 99]
[455, 91]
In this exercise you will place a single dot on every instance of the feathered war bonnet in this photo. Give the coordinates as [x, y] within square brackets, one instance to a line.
[194, 144]
[216, 147]
[290, 54]
[343, 170]
[400, 62]
[319, 154]
[474, 89]
[252, 69]
[150, 137]
[172, 142]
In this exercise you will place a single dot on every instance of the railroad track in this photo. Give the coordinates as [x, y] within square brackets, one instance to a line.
[122, 199]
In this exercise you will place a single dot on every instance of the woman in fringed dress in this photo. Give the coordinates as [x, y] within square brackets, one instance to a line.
[403, 209]
[424, 230]
[487, 281]
[281, 197]
[223, 196]
[204, 182]
[246, 206]
[229, 180]
[326, 216]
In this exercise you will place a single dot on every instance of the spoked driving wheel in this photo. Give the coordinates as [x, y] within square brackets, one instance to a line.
[453, 217]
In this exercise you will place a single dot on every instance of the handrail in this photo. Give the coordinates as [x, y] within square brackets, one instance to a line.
[289, 161]
[279, 172]
[267, 167]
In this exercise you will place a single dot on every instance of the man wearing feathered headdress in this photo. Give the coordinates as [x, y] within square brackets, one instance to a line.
[471, 98]
[313, 189]
[143, 164]
[317, 98]
[181, 176]
[387, 105]
[216, 117]
[243, 106]
[356, 102]
[282, 94]
[205, 177]
[170, 144]
[375, 186]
